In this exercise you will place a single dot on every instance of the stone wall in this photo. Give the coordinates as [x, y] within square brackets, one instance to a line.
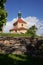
[21, 45]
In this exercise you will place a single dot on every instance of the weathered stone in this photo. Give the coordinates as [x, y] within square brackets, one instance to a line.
[7, 42]
[1, 41]
[20, 45]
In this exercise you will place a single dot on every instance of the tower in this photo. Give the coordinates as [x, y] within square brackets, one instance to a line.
[19, 14]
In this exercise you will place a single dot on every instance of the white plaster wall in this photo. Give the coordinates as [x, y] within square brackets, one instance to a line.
[21, 31]
[12, 32]
[20, 25]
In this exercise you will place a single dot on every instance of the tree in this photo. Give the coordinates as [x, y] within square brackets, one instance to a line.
[32, 30]
[3, 14]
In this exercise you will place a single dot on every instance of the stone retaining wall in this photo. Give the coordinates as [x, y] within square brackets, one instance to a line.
[21, 45]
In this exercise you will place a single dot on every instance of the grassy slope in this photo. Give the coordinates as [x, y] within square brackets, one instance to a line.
[16, 35]
[19, 60]
[8, 34]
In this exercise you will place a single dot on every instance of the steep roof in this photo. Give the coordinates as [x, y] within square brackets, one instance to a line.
[19, 21]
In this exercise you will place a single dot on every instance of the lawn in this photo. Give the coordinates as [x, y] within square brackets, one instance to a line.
[19, 60]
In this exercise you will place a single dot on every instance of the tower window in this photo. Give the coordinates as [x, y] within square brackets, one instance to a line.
[22, 24]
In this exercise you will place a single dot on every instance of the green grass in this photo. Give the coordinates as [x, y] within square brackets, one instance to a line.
[14, 35]
[19, 60]
[18, 57]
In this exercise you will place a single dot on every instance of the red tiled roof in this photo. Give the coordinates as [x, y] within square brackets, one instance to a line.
[20, 21]
[22, 28]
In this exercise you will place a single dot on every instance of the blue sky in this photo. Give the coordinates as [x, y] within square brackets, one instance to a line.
[27, 7]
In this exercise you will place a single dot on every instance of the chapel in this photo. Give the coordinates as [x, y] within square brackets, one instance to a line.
[19, 26]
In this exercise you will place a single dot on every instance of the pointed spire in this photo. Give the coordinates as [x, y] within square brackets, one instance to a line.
[19, 14]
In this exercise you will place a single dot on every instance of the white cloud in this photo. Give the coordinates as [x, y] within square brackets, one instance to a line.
[30, 22]
[9, 25]
[40, 27]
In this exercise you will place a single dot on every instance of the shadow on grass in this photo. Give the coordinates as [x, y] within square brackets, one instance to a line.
[19, 60]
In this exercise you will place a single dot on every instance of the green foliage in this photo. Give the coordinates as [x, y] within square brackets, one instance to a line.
[32, 30]
[11, 59]
[2, 1]
[3, 13]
